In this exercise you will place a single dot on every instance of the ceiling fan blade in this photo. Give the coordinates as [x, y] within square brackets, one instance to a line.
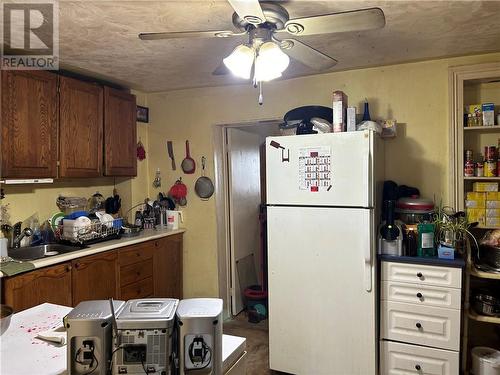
[248, 10]
[189, 34]
[356, 20]
[221, 70]
[307, 55]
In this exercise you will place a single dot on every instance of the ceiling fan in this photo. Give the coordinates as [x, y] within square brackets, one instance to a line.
[269, 29]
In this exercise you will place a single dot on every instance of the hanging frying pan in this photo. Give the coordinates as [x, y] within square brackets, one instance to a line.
[188, 165]
[204, 187]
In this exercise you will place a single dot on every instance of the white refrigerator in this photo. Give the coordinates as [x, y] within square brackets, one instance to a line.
[322, 195]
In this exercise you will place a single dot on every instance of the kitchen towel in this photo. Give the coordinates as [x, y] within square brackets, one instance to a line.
[56, 335]
[13, 267]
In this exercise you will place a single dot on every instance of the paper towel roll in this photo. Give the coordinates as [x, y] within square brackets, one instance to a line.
[3, 247]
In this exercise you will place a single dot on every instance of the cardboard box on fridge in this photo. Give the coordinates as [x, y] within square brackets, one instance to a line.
[476, 214]
[339, 111]
[485, 186]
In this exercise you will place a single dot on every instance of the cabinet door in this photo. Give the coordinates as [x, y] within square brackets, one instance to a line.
[29, 124]
[120, 133]
[168, 267]
[94, 277]
[81, 127]
[50, 284]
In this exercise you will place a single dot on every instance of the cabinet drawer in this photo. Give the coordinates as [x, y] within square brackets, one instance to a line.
[135, 272]
[404, 359]
[427, 295]
[422, 274]
[424, 325]
[136, 253]
[140, 289]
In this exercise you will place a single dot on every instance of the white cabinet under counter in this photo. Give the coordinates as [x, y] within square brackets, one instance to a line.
[420, 316]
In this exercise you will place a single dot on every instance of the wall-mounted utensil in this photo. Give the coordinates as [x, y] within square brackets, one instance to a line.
[188, 165]
[204, 187]
[157, 180]
[170, 150]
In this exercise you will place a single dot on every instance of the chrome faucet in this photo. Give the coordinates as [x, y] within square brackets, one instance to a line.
[18, 235]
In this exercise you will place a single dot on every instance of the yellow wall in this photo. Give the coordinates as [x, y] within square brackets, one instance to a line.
[415, 94]
[24, 200]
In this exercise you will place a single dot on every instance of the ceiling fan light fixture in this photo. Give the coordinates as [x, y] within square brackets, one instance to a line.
[240, 61]
[271, 61]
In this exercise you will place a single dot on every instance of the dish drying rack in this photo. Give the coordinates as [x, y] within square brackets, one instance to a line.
[95, 232]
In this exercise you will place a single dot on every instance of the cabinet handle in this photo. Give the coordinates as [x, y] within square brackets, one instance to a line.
[417, 367]
[418, 325]
[157, 244]
[419, 275]
[419, 295]
[68, 268]
[77, 265]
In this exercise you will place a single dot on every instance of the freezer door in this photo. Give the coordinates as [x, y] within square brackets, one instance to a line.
[334, 169]
[322, 291]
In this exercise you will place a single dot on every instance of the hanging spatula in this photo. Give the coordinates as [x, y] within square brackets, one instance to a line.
[170, 149]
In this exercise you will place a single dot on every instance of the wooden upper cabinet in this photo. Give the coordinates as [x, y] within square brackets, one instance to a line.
[29, 124]
[80, 128]
[120, 133]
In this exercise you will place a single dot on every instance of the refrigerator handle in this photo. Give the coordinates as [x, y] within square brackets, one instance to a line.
[368, 256]
[367, 171]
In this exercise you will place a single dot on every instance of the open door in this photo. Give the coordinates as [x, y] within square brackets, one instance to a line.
[244, 182]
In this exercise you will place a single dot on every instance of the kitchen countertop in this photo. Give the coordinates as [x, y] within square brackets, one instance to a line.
[22, 353]
[434, 261]
[145, 235]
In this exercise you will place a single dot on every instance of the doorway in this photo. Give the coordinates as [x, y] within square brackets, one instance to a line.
[240, 185]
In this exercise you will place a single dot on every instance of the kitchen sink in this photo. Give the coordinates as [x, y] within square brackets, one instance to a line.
[41, 251]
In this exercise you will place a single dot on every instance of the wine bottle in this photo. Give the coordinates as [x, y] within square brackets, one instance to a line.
[389, 231]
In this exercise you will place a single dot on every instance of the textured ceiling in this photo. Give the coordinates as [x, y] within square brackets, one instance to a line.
[99, 38]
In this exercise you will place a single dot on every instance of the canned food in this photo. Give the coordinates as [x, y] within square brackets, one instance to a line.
[469, 168]
[479, 169]
[490, 168]
[468, 155]
[490, 153]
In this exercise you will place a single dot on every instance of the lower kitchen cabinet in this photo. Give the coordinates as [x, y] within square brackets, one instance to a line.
[50, 284]
[136, 271]
[94, 277]
[168, 267]
[147, 269]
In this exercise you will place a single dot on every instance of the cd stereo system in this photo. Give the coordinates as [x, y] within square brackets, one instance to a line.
[161, 336]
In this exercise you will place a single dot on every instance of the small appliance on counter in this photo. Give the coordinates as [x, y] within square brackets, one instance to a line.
[390, 233]
[413, 210]
[200, 336]
[89, 328]
[144, 339]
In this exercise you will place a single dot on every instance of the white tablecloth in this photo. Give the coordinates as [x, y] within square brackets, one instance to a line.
[21, 353]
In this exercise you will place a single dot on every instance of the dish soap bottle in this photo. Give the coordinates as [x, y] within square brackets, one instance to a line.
[426, 240]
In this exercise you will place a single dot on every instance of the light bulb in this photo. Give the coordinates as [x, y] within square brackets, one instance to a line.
[271, 62]
[240, 61]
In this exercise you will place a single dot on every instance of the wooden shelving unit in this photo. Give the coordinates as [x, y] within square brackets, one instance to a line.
[483, 128]
[473, 271]
[482, 178]
[483, 318]
[464, 84]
